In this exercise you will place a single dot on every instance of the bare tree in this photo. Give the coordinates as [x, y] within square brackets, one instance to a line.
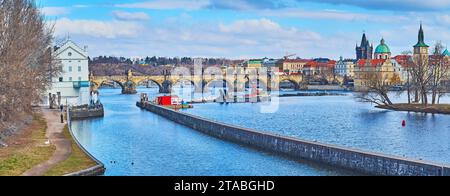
[407, 65]
[27, 63]
[421, 76]
[376, 89]
[439, 72]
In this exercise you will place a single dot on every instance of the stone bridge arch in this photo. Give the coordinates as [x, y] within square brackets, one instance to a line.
[128, 87]
[296, 80]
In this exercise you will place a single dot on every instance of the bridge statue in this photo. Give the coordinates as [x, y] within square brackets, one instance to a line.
[129, 87]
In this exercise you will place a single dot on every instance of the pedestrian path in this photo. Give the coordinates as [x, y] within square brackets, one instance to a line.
[55, 134]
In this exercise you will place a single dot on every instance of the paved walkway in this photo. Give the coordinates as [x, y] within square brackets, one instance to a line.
[56, 137]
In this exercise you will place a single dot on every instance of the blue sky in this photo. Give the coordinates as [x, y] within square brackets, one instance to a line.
[245, 28]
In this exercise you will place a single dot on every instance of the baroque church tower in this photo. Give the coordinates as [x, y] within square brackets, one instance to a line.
[365, 50]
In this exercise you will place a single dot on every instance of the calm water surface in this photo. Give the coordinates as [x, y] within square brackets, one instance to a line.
[134, 142]
[343, 121]
[157, 146]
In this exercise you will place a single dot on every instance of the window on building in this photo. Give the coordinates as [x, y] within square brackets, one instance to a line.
[60, 79]
[70, 68]
[70, 78]
[79, 68]
[70, 54]
[79, 78]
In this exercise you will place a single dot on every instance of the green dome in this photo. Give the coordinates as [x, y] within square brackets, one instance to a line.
[382, 48]
[446, 53]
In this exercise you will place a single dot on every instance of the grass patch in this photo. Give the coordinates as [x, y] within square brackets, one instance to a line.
[77, 161]
[26, 149]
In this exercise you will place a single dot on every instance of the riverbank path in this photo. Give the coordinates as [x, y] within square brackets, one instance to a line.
[55, 134]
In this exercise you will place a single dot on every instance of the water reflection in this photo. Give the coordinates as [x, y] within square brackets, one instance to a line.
[134, 142]
[343, 121]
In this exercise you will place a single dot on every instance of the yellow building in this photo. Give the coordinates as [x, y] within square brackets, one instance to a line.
[292, 66]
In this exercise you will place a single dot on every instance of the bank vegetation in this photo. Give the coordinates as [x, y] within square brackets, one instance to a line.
[26, 60]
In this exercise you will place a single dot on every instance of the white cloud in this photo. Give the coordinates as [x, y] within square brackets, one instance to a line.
[443, 19]
[168, 4]
[55, 11]
[234, 40]
[96, 28]
[396, 5]
[332, 15]
[250, 26]
[130, 16]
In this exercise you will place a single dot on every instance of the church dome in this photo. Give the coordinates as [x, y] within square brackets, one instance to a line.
[446, 53]
[382, 48]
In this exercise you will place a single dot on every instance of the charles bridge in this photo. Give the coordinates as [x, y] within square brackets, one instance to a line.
[128, 82]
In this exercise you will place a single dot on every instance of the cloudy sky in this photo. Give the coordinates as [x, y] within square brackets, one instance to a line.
[245, 28]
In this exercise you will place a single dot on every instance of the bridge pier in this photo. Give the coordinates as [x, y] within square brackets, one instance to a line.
[129, 91]
[129, 88]
[166, 87]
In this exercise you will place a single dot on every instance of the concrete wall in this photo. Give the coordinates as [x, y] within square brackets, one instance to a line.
[326, 87]
[85, 114]
[359, 161]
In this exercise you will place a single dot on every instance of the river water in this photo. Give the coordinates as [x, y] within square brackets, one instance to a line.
[130, 141]
[134, 142]
[343, 121]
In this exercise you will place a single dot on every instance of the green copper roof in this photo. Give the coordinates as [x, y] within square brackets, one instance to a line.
[255, 61]
[446, 53]
[382, 48]
[421, 42]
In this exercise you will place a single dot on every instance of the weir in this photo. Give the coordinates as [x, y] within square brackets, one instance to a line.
[355, 160]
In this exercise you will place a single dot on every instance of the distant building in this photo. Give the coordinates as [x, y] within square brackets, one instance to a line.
[253, 63]
[382, 65]
[400, 63]
[382, 51]
[365, 50]
[72, 85]
[345, 67]
[270, 63]
[319, 66]
[421, 49]
[292, 66]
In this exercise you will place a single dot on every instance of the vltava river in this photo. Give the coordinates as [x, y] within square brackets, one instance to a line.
[343, 121]
[131, 141]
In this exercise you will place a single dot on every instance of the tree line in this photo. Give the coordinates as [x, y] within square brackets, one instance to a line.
[26, 60]
[158, 61]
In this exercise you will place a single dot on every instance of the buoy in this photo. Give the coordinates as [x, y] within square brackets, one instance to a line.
[404, 123]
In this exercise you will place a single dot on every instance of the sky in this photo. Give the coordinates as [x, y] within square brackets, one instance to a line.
[243, 29]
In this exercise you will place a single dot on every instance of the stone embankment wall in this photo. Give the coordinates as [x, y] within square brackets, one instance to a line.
[355, 160]
[97, 170]
[80, 114]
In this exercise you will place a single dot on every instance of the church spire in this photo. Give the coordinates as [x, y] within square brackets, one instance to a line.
[421, 38]
[364, 41]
